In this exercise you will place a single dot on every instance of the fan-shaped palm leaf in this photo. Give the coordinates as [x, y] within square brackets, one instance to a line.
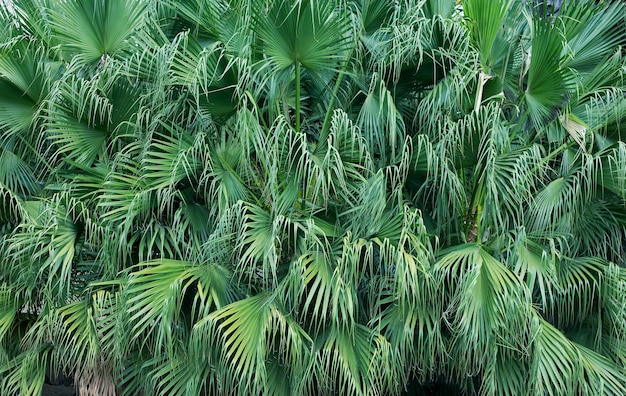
[548, 81]
[354, 362]
[591, 33]
[489, 296]
[92, 31]
[251, 331]
[156, 294]
[485, 20]
[308, 34]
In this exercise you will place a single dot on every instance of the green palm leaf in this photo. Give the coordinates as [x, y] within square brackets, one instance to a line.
[225, 182]
[10, 303]
[601, 375]
[44, 249]
[554, 361]
[487, 305]
[592, 32]
[548, 81]
[327, 296]
[77, 120]
[311, 33]
[434, 8]
[210, 73]
[380, 121]
[250, 331]
[581, 282]
[275, 197]
[612, 178]
[485, 19]
[16, 174]
[506, 375]
[79, 338]
[155, 298]
[554, 206]
[354, 362]
[17, 112]
[25, 375]
[537, 267]
[171, 160]
[561, 364]
[91, 31]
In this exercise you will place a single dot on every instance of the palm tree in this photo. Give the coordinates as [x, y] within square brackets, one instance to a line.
[313, 196]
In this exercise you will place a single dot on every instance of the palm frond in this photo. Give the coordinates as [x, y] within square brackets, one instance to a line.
[79, 338]
[25, 375]
[597, 230]
[374, 14]
[451, 91]
[443, 8]
[44, 249]
[16, 174]
[171, 160]
[554, 360]
[14, 209]
[600, 374]
[554, 206]
[252, 331]
[573, 365]
[327, 296]
[400, 287]
[338, 163]
[224, 182]
[591, 32]
[487, 305]
[312, 33]
[508, 183]
[206, 18]
[442, 192]
[32, 20]
[276, 197]
[581, 282]
[77, 120]
[354, 362]
[380, 121]
[534, 264]
[10, 307]
[484, 21]
[23, 65]
[548, 81]
[156, 296]
[506, 375]
[17, 112]
[611, 176]
[503, 177]
[91, 31]
[614, 335]
[209, 72]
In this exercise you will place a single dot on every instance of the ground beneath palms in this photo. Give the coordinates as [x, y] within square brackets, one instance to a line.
[58, 390]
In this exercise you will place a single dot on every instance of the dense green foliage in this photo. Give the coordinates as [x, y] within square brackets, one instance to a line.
[313, 196]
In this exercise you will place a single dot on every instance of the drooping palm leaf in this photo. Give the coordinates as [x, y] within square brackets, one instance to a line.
[275, 197]
[489, 296]
[251, 330]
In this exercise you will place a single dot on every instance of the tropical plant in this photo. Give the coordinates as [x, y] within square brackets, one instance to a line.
[313, 196]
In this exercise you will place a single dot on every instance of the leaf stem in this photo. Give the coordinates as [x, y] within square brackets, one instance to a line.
[329, 112]
[297, 96]
[553, 154]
